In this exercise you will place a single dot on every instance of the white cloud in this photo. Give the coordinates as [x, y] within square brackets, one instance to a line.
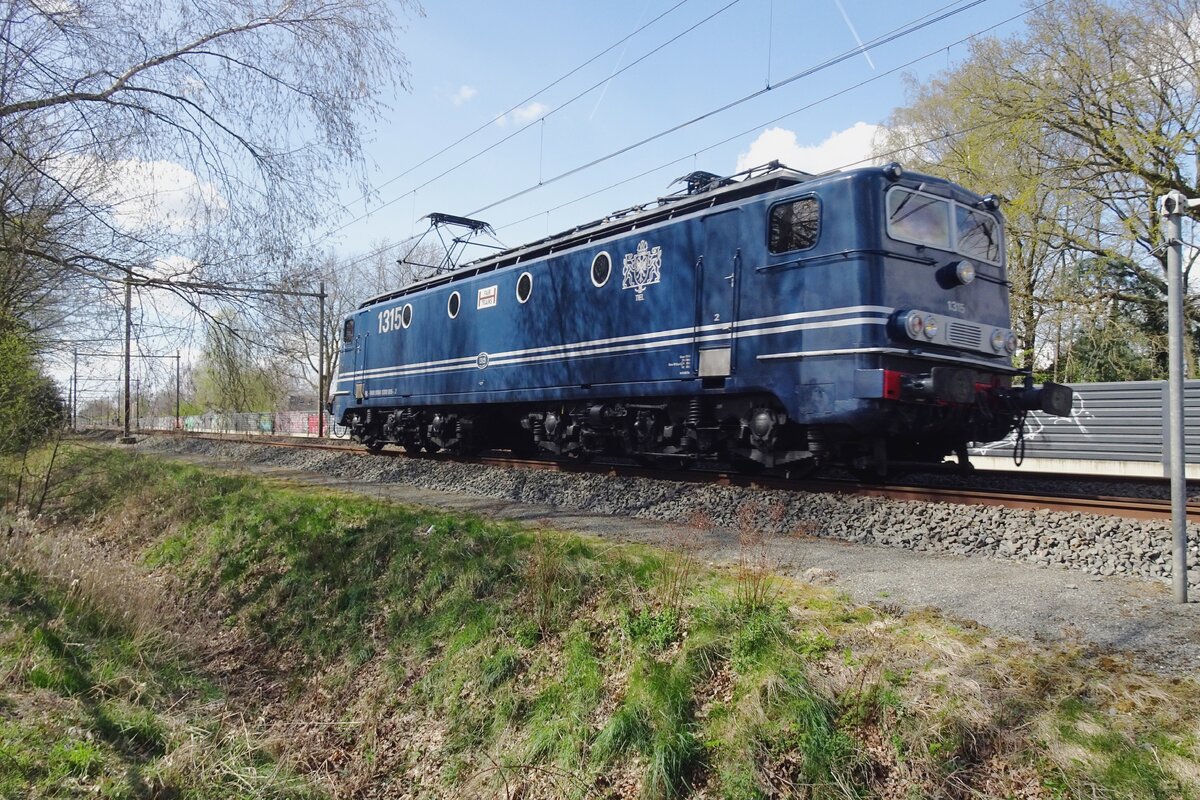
[526, 113]
[161, 194]
[839, 149]
[142, 195]
[464, 94]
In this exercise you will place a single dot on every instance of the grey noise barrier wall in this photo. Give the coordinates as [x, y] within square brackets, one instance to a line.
[1110, 422]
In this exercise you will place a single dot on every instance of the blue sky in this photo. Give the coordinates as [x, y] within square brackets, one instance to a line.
[472, 61]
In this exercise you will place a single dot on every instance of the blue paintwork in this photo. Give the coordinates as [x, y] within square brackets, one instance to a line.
[535, 351]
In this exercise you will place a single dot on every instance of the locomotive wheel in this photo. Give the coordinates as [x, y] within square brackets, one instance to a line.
[374, 446]
[413, 449]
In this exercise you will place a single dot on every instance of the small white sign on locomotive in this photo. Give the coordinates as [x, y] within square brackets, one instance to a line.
[487, 297]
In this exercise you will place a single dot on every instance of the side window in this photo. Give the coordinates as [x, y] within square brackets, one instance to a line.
[524, 287]
[348, 330]
[794, 226]
[601, 269]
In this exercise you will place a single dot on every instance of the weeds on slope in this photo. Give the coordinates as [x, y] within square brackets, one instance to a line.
[445, 655]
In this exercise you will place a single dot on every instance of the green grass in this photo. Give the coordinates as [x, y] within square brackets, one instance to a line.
[492, 657]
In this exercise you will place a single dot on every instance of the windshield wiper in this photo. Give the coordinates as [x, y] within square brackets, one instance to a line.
[904, 202]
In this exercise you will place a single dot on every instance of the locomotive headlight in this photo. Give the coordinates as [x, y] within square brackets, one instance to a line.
[1010, 343]
[914, 324]
[964, 271]
[997, 339]
[931, 327]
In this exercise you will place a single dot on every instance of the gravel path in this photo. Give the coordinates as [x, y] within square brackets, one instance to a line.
[1037, 575]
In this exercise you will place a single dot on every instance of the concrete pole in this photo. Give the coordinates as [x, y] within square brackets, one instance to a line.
[177, 419]
[1171, 207]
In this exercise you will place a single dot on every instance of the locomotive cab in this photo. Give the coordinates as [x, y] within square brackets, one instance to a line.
[944, 375]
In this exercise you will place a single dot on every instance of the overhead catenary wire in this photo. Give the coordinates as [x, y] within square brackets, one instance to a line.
[787, 115]
[906, 31]
[930, 18]
[918, 24]
[531, 97]
[920, 143]
[531, 123]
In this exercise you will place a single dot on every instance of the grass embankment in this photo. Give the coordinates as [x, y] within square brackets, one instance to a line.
[391, 650]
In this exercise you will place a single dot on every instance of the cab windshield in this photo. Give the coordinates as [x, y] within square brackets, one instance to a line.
[933, 221]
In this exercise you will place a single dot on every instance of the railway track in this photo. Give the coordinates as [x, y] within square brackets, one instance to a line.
[1042, 499]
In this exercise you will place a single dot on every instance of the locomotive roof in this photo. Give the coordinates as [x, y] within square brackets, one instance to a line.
[701, 194]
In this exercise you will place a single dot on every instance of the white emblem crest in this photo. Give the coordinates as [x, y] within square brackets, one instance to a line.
[641, 269]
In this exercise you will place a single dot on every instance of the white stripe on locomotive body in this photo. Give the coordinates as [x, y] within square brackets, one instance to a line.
[716, 337]
[894, 351]
[591, 347]
[679, 331]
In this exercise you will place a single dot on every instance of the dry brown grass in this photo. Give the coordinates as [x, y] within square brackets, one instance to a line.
[757, 584]
[89, 568]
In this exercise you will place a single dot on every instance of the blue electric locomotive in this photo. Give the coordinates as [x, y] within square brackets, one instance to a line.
[772, 318]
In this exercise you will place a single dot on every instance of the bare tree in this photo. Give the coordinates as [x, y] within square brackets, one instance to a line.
[159, 142]
[294, 320]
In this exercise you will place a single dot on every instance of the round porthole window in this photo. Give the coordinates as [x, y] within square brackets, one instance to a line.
[453, 304]
[601, 269]
[406, 315]
[524, 287]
